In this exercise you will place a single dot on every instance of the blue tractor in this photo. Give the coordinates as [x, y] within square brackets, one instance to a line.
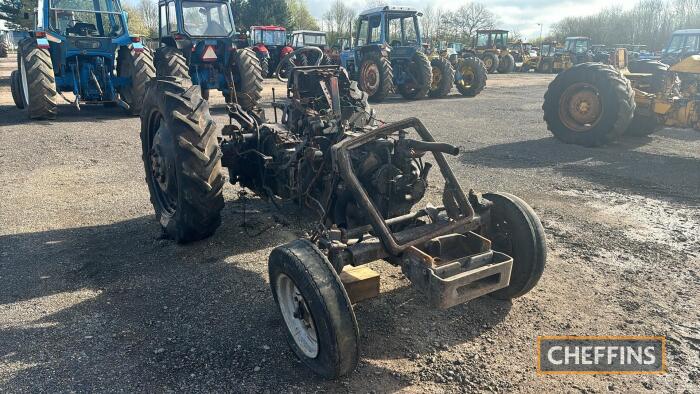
[389, 54]
[199, 43]
[83, 47]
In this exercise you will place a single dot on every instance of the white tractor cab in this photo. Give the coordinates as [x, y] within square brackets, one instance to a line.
[303, 38]
[683, 43]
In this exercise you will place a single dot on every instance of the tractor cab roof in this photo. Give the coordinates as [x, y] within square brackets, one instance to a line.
[164, 2]
[577, 38]
[268, 28]
[393, 9]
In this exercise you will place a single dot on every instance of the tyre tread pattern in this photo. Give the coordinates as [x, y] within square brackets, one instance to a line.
[447, 80]
[43, 97]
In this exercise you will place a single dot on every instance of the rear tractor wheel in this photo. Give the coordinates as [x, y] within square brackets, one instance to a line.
[37, 81]
[170, 62]
[138, 67]
[376, 77]
[471, 76]
[421, 76]
[247, 77]
[590, 104]
[506, 64]
[443, 77]
[182, 159]
[321, 326]
[490, 61]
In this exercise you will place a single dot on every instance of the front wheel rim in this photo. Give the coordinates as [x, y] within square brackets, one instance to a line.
[467, 77]
[581, 107]
[160, 172]
[370, 78]
[297, 316]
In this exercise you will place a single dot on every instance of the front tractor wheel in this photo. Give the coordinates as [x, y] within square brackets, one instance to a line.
[37, 80]
[590, 104]
[471, 76]
[138, 67]
[443, 77]
[321, 326]
[182, 159]
[247, 78]
[420, 76]
[376, 77]
[515, 229]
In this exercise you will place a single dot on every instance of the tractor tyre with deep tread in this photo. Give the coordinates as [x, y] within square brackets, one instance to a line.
[491, 61]
[443, 77]
[506, 64]
[138, 66]
[471, 76]
[422, 75]
[515, 230]
[321, 327]
[248, 78]
[170, 62]
[265, 67]
[376, 76]
[16, 89]
[590, 104]
[182, 159]
[37, 80]
[3, 49]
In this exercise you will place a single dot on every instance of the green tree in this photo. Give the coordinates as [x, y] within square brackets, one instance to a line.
[264, 12]
[300, 17]
[19, 14]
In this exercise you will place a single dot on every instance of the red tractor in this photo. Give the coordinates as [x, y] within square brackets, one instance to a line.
[270, 44]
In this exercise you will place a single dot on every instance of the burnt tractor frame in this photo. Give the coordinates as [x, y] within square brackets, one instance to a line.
[363, 183]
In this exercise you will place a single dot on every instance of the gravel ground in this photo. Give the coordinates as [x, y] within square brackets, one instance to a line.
[92, 299]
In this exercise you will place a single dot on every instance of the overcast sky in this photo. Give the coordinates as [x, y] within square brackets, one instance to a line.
[523, 15]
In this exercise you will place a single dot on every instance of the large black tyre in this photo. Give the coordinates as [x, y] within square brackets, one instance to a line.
[506, 64]
[3, 49]
[376, 76]
[590, 104]
[265, 67]
[182, 159]
[321, 326]
[471, 76]
[516, 230]
[16, 89]
[643, 125]
[421, 74]
[443, 77]
[491, 61]
[37, 80]
[139, 67]
[170, 62]
[248, 78]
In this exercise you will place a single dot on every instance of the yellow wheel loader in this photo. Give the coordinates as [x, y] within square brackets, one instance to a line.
[593, 104]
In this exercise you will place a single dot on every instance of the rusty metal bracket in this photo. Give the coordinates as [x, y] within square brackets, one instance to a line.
[343, 165]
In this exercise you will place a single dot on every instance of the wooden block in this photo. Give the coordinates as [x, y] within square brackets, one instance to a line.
[361, 283]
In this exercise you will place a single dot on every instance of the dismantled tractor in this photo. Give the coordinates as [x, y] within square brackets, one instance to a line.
[593, 104]
[199, 42]
[365, 184]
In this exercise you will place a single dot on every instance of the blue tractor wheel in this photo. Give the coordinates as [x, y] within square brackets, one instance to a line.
[138, 66]
[37, 80]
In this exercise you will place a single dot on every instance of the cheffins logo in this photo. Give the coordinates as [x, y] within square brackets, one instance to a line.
[601, 355]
